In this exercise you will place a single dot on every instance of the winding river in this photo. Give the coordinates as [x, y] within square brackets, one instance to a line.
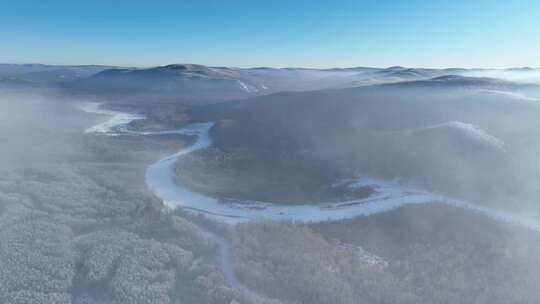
[160, 178]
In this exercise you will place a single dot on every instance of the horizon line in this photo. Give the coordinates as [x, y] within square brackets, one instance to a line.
[271, 67]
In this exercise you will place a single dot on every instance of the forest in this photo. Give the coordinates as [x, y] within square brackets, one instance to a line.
[78, 225]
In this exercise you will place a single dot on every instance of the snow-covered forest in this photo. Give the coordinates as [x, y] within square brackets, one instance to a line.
[79, 225]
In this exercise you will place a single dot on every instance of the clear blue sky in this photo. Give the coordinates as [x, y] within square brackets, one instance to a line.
[316, 33]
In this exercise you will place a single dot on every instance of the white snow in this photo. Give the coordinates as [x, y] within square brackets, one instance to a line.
[363, 255]
[116, 119]
[467, 128]
[512, 95]
[247, 88]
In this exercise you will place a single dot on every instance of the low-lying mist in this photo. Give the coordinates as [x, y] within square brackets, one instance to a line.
[79, 225]
[36, 127]
[454, 140]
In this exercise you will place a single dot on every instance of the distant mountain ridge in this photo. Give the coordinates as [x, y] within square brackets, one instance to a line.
[35, 74]
[199, 83]
[459, 81]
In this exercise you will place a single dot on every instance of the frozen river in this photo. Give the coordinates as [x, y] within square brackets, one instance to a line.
[160, 178]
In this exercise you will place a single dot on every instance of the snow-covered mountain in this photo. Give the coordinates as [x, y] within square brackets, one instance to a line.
[193, 83]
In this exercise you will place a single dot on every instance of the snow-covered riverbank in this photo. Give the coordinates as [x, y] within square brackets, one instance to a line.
[160, 178]
[115, 119]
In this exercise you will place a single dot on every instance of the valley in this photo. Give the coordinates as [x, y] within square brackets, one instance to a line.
[380, 192]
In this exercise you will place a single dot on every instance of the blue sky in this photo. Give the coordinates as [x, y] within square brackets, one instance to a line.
[316, 33]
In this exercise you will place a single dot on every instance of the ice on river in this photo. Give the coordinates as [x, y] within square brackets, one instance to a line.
[161, 180]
